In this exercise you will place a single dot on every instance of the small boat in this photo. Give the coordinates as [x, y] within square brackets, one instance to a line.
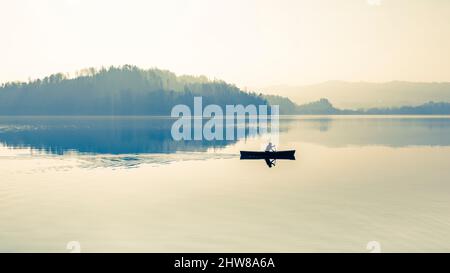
[268, 155]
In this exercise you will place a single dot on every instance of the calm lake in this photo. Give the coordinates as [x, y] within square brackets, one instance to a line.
[117, 184]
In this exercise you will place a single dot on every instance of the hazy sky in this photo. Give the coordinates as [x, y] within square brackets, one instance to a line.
[246, 42]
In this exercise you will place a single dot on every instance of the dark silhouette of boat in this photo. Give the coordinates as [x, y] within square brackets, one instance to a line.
[289, 155]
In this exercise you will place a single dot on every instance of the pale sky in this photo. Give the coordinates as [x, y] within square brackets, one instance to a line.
[247, 42]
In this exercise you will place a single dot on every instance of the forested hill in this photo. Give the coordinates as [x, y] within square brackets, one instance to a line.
[324, 107]
[125, 90]
[128, 90]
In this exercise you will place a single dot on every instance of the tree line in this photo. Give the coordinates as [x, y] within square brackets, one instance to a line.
[124, 90]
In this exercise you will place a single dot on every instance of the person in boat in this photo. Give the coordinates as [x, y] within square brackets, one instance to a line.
[270, 147]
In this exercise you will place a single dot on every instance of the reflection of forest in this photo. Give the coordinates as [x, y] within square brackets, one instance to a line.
[139, 135]
[103, 135]
[387, 131]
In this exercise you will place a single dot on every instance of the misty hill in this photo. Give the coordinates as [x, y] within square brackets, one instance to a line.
[128, 90]
[324, 107]
[430, 108]
[125, 90]
[320, 107]
[354, 95]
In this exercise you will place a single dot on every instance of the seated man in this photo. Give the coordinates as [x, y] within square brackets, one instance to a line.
[270, 147]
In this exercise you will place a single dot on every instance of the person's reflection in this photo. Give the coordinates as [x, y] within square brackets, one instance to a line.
[270, 162]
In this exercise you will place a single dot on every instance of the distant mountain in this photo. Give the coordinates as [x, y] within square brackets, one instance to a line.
[320, 107]
[355, 95]
[128, 90]
[324, 107]
[287, 107]
[125, 90]
[430, 108]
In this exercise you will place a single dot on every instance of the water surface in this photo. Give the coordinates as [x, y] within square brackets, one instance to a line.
[122, 184]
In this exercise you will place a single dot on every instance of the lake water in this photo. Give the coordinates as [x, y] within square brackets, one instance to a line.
[122, 184]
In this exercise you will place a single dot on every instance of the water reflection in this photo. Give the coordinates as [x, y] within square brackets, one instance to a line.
[97, 135]
[369, 130]
[329, 199]
[148, 135]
